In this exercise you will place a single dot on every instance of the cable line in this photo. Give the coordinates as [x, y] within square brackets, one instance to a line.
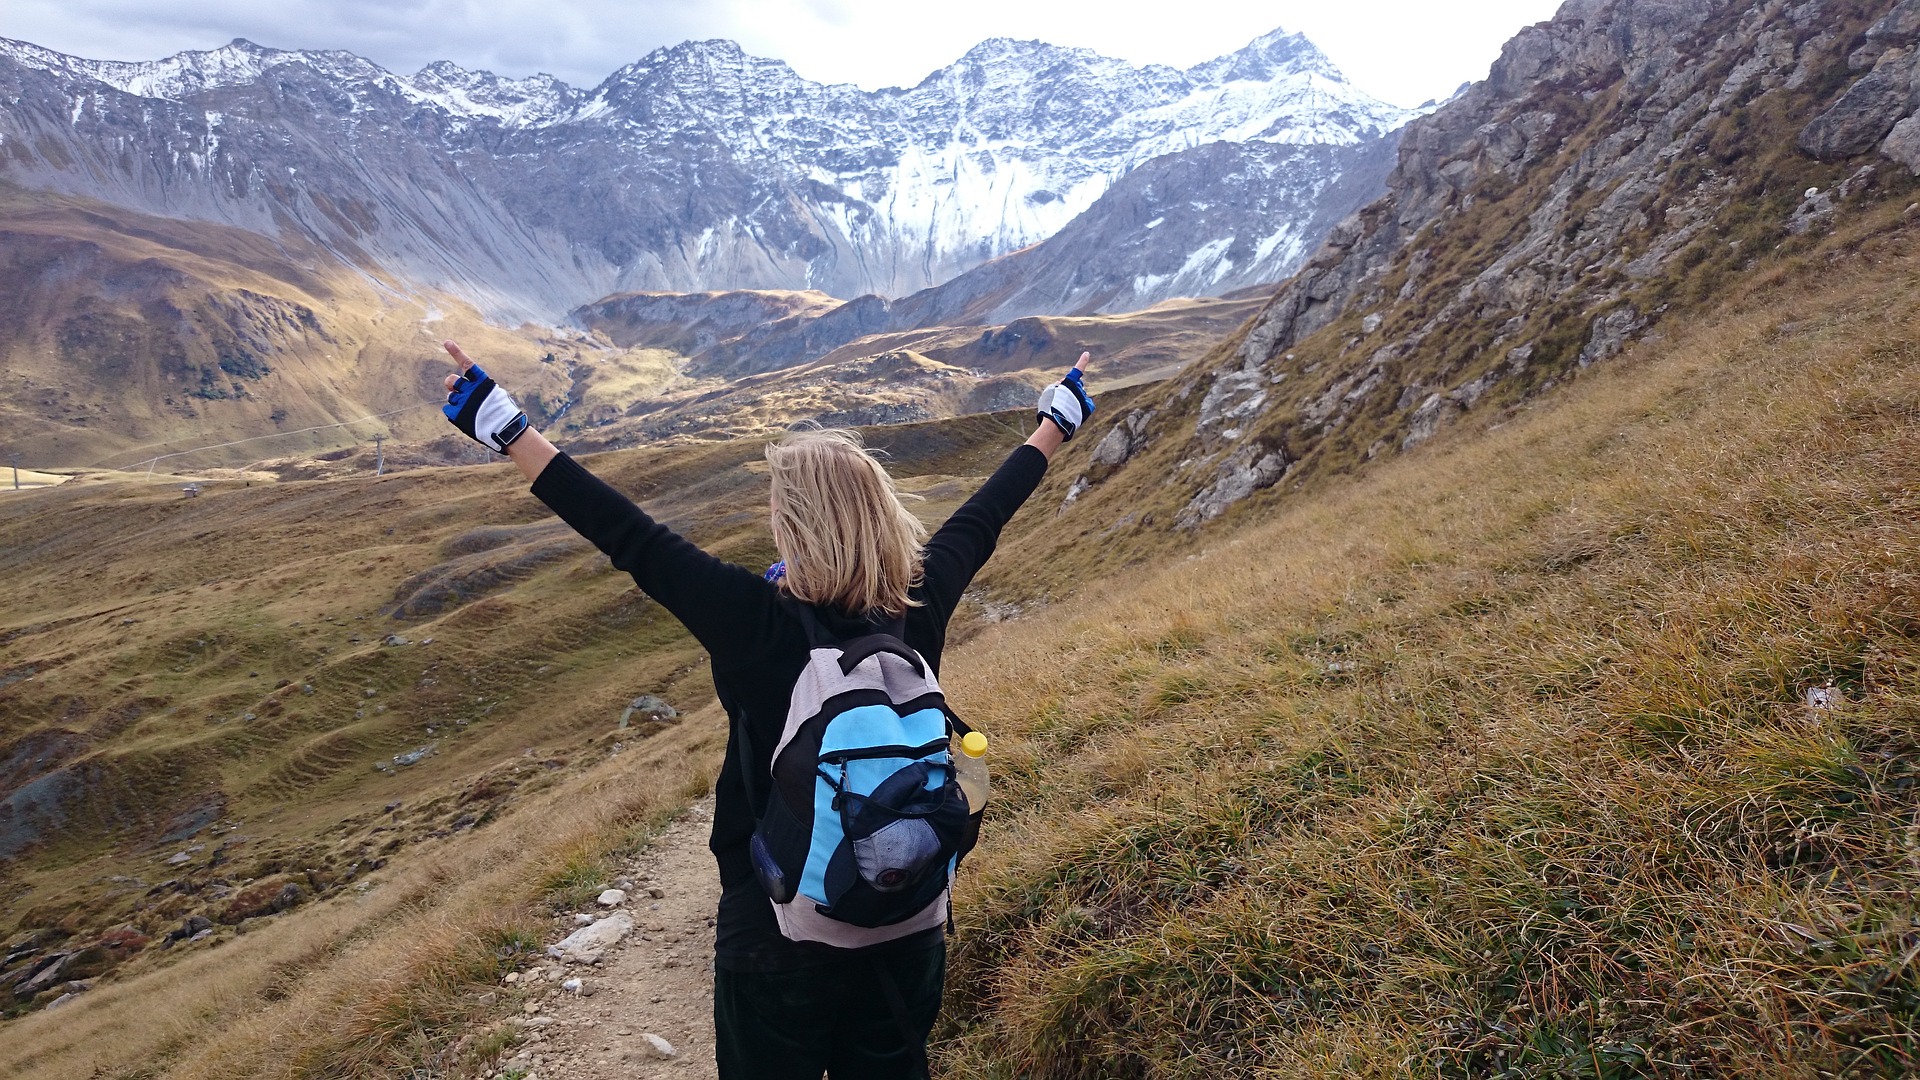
[154, 461]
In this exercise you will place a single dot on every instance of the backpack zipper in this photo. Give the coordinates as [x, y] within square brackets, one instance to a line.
[841, 757]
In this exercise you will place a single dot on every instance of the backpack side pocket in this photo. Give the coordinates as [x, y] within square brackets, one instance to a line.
[779, 850]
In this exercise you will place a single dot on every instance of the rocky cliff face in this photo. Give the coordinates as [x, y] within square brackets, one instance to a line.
[1624, 161]
[696, 168]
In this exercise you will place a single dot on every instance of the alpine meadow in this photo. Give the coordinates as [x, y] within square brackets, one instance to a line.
[1476, 636]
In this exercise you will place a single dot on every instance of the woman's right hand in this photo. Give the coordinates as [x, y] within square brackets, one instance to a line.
[487, 414]
[479, 407]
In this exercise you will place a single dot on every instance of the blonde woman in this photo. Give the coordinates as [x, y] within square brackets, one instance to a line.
[857, 562]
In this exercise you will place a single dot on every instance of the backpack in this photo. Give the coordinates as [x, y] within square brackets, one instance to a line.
[865, 821]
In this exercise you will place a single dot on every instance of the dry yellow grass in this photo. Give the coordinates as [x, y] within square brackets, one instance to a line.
[165, 648]
[1491, 762]
[1494, 763]
[381, 980]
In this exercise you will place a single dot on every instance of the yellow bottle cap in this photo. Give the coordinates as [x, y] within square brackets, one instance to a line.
[973, 744]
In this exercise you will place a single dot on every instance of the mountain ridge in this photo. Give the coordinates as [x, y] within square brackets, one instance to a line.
[696, 167]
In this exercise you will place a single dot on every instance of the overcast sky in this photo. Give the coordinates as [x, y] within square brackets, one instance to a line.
[1404, 51]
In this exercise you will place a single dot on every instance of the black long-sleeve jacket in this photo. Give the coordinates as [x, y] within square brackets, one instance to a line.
[758, 649]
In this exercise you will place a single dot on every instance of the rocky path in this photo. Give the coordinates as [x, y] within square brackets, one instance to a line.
[645, 1010]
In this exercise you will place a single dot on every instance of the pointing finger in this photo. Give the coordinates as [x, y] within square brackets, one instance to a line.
[453, 350]
[1080, 365]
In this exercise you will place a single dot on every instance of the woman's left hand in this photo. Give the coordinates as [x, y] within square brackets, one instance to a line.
[1066, 402]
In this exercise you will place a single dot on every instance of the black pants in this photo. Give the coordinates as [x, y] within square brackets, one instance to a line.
[833, 1018]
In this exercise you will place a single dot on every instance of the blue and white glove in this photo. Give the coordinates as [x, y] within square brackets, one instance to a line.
[1066, 403]
[484, 411]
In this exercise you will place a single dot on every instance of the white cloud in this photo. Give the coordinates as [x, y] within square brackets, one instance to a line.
[1401, 50]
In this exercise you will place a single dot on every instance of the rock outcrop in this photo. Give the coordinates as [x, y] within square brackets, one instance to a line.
[1882, 108]
[1624, 156]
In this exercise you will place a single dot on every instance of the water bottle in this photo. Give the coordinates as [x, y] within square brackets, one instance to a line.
[970, 768]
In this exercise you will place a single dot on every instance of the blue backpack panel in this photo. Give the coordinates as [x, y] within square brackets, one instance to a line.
[865, 820]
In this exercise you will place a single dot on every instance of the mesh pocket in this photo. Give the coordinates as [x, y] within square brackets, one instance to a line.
[895, 856]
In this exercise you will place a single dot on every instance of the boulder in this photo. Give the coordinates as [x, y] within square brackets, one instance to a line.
[1234, 398]
[648, 709]
[1610, 333]
[46, 972]
[1902, 144]
[193, 925]
[1898, 27]
[1080, 486]
[1123, 440]
[587, 944]
[1252, 468]
[1864, 114]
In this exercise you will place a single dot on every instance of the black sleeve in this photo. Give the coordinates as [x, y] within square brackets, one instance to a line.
[966, 541]
[730, 609]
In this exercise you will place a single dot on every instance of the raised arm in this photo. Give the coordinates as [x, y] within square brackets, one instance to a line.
[727, 607]
[962, 546]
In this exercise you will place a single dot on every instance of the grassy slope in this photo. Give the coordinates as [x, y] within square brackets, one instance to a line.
[1493, 761]
[170, 645]
[1488, 762]
[129, 336]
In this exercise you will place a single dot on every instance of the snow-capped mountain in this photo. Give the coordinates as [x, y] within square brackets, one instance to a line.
[697, 167]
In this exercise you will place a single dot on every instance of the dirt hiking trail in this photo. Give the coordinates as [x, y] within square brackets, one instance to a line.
[657, 982]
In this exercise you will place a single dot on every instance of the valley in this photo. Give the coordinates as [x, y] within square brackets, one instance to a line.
[1483, 641]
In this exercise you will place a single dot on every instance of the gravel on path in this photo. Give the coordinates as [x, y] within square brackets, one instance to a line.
[658, 982]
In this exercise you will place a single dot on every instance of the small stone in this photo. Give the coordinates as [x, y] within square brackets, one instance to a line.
[575, 986]
[658, 1048]
[512, 977]
[657, 893]
[530, 1008]
[396, 639]
[583, 919]
[585, 945]
[179, 859]
[370, 691]
[613, 898]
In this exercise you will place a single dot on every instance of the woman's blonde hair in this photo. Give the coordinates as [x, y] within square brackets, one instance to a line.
[839, 523]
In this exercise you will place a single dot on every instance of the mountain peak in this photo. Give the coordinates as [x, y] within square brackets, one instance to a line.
[1273, 55]
[1000, 48]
